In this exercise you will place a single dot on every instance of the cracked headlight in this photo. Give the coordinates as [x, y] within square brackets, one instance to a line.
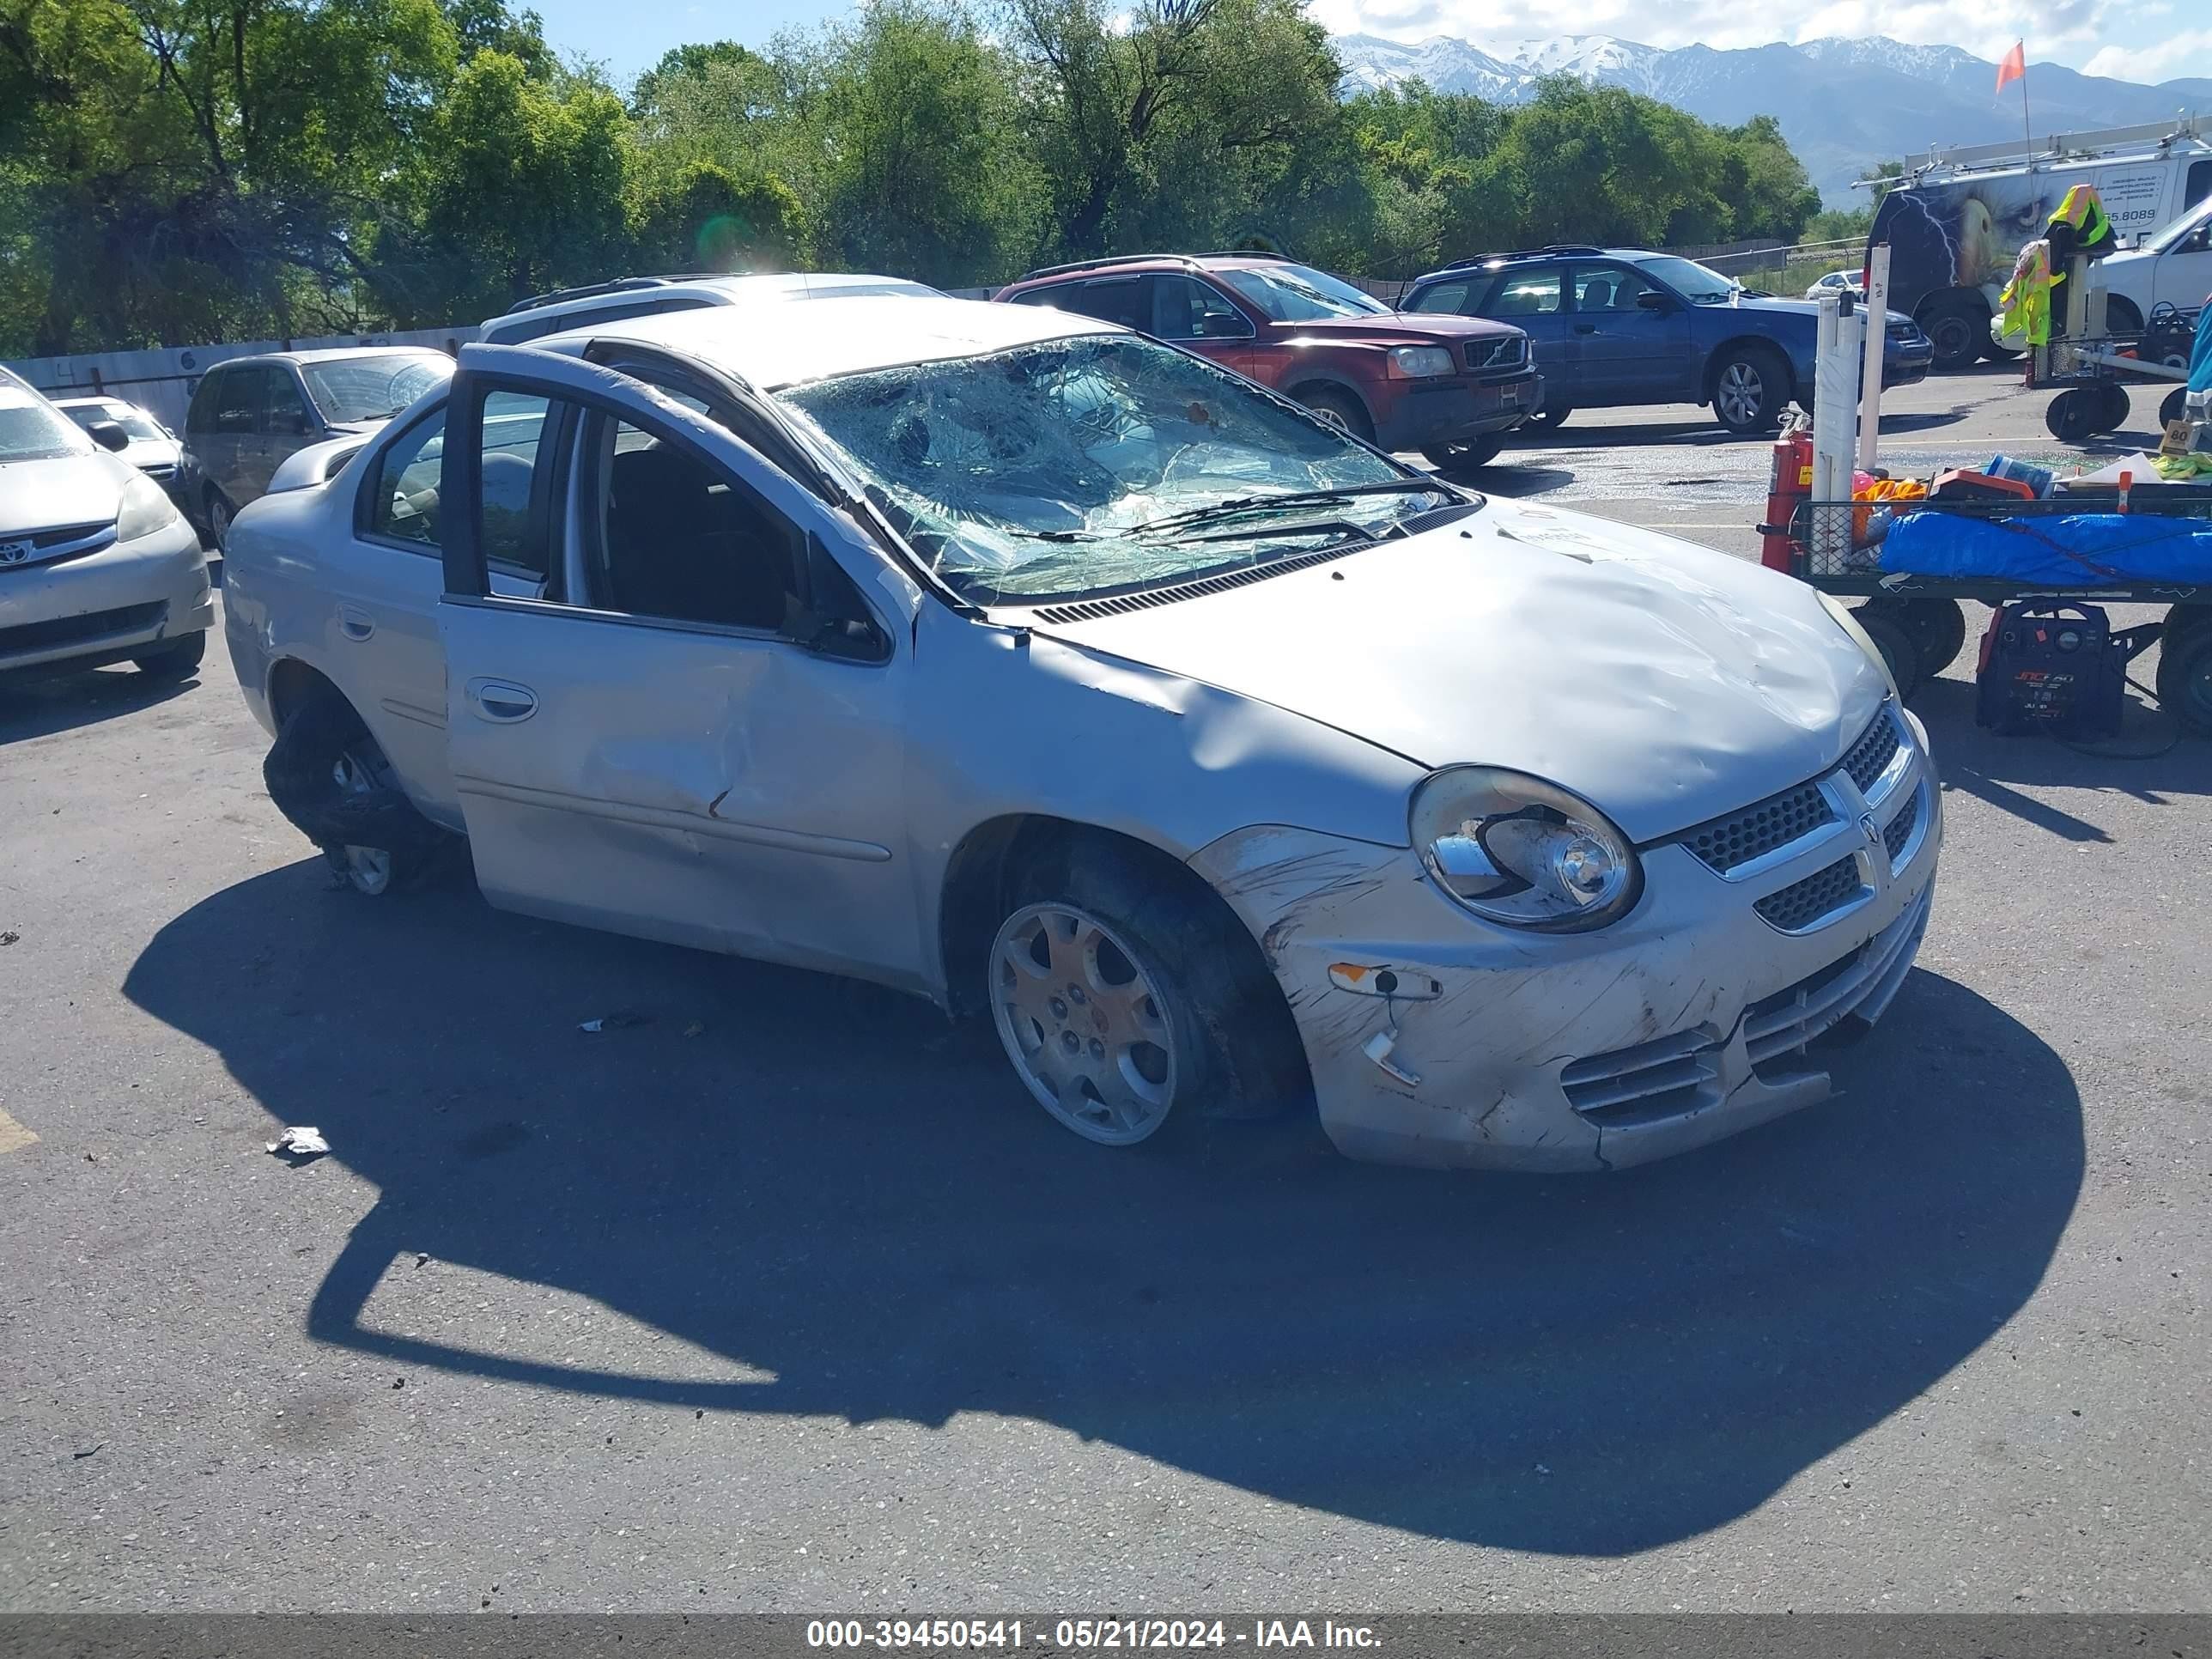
[145, 509]
[1516, 850]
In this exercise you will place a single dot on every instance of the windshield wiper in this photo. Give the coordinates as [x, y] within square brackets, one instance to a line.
[1243, 504]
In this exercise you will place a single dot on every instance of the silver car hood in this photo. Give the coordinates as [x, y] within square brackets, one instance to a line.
[64, 490]
[1665, 683]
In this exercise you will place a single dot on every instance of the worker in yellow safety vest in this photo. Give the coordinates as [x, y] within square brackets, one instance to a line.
[2024, 307]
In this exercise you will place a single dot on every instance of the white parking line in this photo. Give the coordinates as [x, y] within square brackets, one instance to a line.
[14, 1137]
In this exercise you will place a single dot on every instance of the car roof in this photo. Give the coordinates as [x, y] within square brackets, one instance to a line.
[1138, 264]
[1540, 256]
[93, 400]
[791, 284]
[326, 354]
[773, 346]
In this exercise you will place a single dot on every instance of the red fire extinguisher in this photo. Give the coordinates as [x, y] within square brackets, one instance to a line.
[1790, 483]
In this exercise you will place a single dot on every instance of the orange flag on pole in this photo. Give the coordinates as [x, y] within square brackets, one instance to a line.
[2014, 67]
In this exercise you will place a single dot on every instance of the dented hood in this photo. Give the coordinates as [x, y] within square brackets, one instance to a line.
[1665, 683]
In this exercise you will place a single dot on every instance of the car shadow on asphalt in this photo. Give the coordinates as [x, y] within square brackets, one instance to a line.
[2151, 761]
[39, 708]
[827, 1185]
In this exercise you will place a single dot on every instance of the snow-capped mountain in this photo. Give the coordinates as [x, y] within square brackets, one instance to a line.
[1844, 104]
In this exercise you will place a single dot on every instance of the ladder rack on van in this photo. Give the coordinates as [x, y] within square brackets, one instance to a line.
[2059, 146]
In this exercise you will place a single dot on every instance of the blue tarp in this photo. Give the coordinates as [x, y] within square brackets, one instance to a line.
[2082, 550]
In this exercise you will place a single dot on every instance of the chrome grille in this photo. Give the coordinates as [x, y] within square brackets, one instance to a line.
[1873, 752]
[1651, 1080]
[1737, 839]
[1786, 1022]
[1806, 900]
[1497, 354]
[1899, 831]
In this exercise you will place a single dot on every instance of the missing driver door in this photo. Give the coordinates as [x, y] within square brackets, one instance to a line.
[671, 752]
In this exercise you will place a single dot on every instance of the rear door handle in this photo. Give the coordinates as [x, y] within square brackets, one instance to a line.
[1585, 328]
[502, 700]
[356, 624]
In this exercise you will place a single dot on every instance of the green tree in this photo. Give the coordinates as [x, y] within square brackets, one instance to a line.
[913, 159]
[521, 190]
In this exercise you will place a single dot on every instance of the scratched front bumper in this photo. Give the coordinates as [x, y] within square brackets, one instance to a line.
[1694, 987]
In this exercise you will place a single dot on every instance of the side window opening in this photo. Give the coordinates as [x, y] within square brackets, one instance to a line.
[239, 401]
[402, 502]
[1446, 297]
[1526, 293]
[680, 541]
[1185, 308]
[403, 497]
[2199, 186]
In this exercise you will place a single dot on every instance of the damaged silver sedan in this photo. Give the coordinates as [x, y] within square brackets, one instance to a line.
[1047, 672]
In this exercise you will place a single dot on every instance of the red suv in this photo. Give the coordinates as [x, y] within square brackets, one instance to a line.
[1449, 386]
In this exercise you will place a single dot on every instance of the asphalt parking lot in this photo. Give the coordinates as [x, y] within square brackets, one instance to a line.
[784, 1298]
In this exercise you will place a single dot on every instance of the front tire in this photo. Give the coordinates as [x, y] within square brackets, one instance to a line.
[326, 775]
[219, 515]
[1127, 1002]
[1453, 458]
[1751, 387]
[178, 661]
[1957, 332]
[1339, 409]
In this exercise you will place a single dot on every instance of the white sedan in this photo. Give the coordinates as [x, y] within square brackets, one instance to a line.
[1047, 672]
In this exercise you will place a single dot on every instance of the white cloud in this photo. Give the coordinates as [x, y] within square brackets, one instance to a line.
[2106, 37]
[2164, 61]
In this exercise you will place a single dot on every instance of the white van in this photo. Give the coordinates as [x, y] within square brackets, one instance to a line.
[1956, 223]
[2173, 268]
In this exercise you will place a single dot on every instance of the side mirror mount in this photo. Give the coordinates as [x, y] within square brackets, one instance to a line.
[1652, 299]
[832, 619]
[109, 435]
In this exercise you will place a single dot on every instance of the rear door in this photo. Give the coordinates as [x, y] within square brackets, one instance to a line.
[1629, 353]
[1534, 300]
[234, 410]
[383, 591]
[696, 734]
[1201, 318]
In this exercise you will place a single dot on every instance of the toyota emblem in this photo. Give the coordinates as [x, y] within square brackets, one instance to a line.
[14, 552]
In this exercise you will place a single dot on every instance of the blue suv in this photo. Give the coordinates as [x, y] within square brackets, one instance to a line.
[1615, 327]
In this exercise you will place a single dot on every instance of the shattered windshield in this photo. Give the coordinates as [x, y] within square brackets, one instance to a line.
[1098, 465]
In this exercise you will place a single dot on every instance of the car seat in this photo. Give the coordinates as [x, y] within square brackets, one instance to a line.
[679, 547]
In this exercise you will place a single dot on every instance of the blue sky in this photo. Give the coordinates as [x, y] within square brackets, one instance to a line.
[2148, 41]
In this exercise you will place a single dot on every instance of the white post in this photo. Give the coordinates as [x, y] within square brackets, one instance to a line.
[1824, 347]
[1877, 333]
[1834, 389]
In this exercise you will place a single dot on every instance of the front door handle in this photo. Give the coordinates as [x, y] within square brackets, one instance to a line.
[502, 700]
[356, 624]
[1585, 328]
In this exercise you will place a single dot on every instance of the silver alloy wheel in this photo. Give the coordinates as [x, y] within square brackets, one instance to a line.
[1083, 1023]
[1329, 416]
[219, 521]
[1739, 394]
[368, 868]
